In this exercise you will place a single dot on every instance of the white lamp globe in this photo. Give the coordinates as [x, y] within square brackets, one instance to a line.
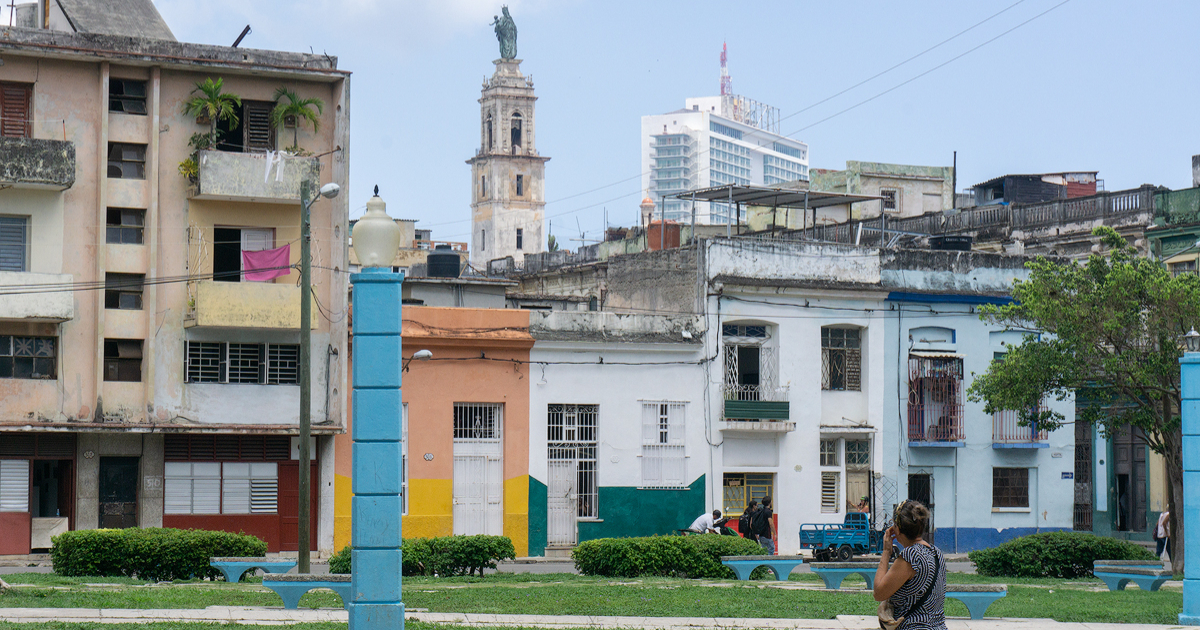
[376, 236]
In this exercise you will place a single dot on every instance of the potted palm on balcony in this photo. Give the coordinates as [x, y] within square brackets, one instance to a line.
[290, 109]
[210, 106]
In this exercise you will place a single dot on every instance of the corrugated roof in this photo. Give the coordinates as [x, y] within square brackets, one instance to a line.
[131, 18]
[773, 197]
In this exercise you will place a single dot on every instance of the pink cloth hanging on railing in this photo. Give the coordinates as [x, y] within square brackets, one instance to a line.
[266, 264]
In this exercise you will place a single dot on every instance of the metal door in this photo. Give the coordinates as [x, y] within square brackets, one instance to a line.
[118, 492]
[1129, 447]
[560, 503]
[920, 488]
[478, 486]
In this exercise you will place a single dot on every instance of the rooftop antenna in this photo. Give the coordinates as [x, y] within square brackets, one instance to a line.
[726, 80]
[246, 31]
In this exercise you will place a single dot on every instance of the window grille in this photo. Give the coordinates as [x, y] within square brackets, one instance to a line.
[476, 421]
[739, 489]
[1083, 477]
[1010, 487]
[244, 363]
[829, 454]
[751, 372]
[830, 491]
[283, 367]
[935, 405]
[858, 454]
[891, 199]
[28, 357]
[664, 459]
[841, 359]
[571, 430]
[205, 362]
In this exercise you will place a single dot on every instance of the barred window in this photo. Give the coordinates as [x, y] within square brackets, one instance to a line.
[245, 363]
[572, 423]
[841, 359]
[664, 460]
[891, 199]
[476, 421]
[28, 357]
[829, 454]
[858, 453]
[1010, 487]
[830, 491]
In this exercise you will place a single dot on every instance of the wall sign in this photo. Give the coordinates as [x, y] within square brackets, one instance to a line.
[1068, 475]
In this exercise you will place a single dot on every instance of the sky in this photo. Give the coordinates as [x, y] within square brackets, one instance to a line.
[1101, 85]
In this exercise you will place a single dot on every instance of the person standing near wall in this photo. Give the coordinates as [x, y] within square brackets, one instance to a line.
[764, 528]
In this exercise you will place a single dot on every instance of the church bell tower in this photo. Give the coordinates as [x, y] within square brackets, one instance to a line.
[507, 174]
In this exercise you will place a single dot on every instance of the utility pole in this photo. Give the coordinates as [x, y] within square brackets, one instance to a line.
[305, 379]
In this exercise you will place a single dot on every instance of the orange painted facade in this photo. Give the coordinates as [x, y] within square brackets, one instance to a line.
[479, 356]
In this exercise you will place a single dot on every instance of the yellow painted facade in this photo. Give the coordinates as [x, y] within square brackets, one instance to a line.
[249, 305]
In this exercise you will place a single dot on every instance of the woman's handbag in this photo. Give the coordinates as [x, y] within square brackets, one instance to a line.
[887, 615]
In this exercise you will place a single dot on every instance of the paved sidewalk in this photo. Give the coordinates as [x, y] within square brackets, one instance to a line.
[280, 616]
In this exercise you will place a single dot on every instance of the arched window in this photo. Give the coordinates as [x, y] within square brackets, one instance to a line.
[841, 358]
[488, 125]
[516, 131]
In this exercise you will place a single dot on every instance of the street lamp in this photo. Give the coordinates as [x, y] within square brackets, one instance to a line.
[303, 528]
[420, 355]
[377, 459]
[1189, 386]
[328, 191]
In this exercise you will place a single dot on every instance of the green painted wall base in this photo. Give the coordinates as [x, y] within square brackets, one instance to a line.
[626, 512]
[537, 517]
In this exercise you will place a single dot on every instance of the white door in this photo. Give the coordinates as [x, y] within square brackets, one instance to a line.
[478, 487]
[560, 504]
[256, 240]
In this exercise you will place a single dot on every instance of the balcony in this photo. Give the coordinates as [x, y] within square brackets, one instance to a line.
[246, 305]
[254, 177]
[37, 163]
[1008, 433]
[747, 406]
[432, 245]
[18, 302]
[935, 424]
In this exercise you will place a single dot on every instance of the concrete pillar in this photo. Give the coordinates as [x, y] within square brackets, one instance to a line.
[150, 496]
[377, 504]
[1190, 408]
[87, 481]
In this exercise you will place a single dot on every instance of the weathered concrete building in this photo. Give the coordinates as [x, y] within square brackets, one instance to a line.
[831, 373]
[903, 190]
[144, 379]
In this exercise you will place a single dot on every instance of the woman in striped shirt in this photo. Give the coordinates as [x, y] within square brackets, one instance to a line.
[915, 583]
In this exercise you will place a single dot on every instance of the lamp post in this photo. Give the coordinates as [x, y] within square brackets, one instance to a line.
[377, 455]
[328, 191]
[1189, 381]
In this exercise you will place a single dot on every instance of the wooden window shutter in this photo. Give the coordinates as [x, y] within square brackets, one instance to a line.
[260, 135]
[15, 110]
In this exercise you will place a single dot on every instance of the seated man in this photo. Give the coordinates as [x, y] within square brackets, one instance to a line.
[706, 523]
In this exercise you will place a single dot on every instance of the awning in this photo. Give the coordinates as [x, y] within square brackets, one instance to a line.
[773, 197]
[936, 354]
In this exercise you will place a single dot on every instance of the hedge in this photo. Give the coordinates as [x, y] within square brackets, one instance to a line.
[448, 555]
[678, 556]
[156, 554]
[1053, 554]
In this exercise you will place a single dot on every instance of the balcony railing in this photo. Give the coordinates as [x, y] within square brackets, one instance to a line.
[36, 163]
[261, 177]
[1006, 429]
[431, 245]
[756, 403]
[933, 423]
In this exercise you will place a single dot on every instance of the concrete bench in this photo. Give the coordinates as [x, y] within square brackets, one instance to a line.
[291, 587]
[1116, 577]
[834, 572]
[1148, 564]
[781, 566]
[234, 568]
[977, 597]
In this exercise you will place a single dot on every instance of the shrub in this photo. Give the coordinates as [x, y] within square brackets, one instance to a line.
[679, 556]
[1053, 554]
[448, 555]
[156, 554]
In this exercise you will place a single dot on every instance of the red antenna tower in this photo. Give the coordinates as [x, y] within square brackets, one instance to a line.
[726, 80]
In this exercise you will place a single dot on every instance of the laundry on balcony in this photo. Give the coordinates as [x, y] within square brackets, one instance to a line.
[267, 264]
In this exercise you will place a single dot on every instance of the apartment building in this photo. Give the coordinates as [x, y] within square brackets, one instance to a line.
[146, 379]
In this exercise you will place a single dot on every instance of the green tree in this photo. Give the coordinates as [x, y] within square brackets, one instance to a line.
[213, 104]
[1109, 332]
[551, 244]
[296, 109]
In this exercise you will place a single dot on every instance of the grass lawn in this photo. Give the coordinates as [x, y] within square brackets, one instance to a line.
[569, 594]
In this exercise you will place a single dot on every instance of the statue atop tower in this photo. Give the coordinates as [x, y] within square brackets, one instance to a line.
[507, 174]
[506, 32]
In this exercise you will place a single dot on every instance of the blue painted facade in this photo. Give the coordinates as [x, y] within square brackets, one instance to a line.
[1191, 487]
[962, 464]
